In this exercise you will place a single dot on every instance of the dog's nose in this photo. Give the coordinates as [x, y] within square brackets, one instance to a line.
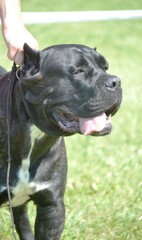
[113, 82]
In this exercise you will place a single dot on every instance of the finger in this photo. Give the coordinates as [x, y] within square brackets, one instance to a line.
[11, 54]
[19, 58]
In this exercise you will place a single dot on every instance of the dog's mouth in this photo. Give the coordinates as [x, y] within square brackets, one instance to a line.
[97, 126]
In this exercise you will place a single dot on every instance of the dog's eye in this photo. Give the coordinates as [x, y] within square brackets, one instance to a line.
[79, 71]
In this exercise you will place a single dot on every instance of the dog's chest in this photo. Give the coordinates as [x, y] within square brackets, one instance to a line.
[24, 187]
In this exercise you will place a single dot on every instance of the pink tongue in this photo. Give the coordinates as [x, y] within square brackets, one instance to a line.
[90, 125]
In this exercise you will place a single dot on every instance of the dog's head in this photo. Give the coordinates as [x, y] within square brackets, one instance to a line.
[67, 90]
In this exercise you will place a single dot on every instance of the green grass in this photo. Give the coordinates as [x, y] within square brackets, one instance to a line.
[104, 189]
[78, 5]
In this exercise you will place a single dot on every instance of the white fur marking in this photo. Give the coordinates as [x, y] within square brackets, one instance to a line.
[2, 189]
[24, 187]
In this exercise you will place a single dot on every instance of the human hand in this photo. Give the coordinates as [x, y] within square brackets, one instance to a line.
[15, 37]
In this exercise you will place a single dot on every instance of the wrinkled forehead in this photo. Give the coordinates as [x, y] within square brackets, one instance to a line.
[84, 55]
[78, 55]
[70, 55]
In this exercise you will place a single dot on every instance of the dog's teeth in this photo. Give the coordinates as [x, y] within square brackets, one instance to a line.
[108, 118]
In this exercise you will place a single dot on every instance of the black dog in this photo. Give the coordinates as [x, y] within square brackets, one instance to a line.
[62, 90]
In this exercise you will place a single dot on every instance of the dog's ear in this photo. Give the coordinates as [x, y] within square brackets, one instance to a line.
[31, 59]
[31, 65]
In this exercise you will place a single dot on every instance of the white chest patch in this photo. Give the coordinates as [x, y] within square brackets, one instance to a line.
[25, 187]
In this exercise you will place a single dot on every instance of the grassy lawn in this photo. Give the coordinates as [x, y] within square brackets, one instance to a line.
[104, 189]
[78, 5]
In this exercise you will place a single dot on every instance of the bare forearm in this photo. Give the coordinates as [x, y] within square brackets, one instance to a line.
[10, 13]
[14, 32]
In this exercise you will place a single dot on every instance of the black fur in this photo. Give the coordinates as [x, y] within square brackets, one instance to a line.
[61, 85]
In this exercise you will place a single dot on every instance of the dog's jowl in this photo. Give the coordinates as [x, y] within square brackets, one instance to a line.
[61, 90]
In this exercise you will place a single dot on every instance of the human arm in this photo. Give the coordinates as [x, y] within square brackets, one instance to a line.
[14, 32]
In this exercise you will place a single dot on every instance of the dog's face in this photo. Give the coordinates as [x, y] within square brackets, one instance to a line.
[67, 90]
